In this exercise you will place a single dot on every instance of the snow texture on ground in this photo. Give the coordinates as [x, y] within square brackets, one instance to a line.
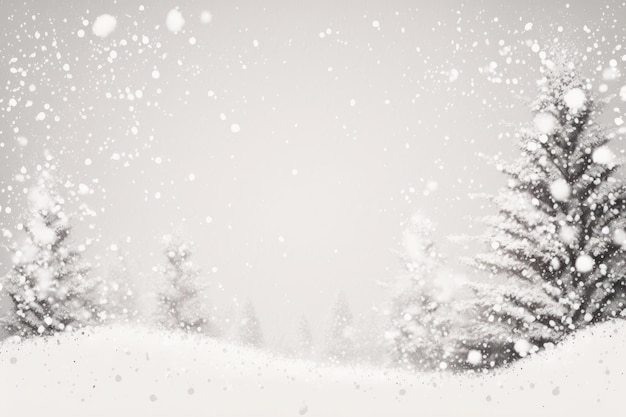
[134, 371]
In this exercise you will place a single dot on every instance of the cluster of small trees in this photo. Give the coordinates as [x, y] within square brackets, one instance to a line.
[347, 339]
[556, 261]
[52, 288]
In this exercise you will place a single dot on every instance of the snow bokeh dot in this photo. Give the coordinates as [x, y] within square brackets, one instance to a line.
[603, 155]
[175, 21]
[545, 123]
[474, 357]
[206, 17]
[522, 347]
[575, 99]
[584, 263]
[619, 237]
[560, 190]
[104, 25]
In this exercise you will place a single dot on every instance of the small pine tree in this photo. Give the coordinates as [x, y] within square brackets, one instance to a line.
[557, 242]
[49, 284]
[249, 330]
[183, 303]
[297, 340]
[304, 337]
[370, 344]
[340, 335]
[419, 316]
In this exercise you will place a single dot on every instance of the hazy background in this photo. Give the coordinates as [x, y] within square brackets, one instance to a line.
[352, 115]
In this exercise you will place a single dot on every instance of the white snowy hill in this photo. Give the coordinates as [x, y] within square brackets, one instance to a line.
[134, 371]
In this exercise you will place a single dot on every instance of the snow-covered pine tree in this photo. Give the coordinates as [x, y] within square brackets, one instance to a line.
[249, 330]
[340, 335]
[183, 302]
[557, 241]
[49, 285]
[419, 317]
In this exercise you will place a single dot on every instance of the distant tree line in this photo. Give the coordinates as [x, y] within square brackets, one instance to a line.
[53, 289]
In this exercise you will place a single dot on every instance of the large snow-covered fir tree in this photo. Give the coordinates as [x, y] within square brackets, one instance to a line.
[49, 285]
[557, 242]
[419, 317]
[183, 294]
[249, 331]
[340, 337]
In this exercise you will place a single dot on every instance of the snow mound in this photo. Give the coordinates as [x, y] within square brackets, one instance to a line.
[134, 371]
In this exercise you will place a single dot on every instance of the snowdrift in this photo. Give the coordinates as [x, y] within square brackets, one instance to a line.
[134, 371]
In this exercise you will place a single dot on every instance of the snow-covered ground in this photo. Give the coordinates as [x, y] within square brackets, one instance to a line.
[134, 371]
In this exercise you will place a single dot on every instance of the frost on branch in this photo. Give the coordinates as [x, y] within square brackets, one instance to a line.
[183, 294]
[49, 285]
[557, 260]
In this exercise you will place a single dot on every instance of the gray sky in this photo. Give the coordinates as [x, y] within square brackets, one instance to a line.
[351, 117]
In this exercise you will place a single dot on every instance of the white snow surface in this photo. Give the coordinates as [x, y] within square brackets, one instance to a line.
[135, 371]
